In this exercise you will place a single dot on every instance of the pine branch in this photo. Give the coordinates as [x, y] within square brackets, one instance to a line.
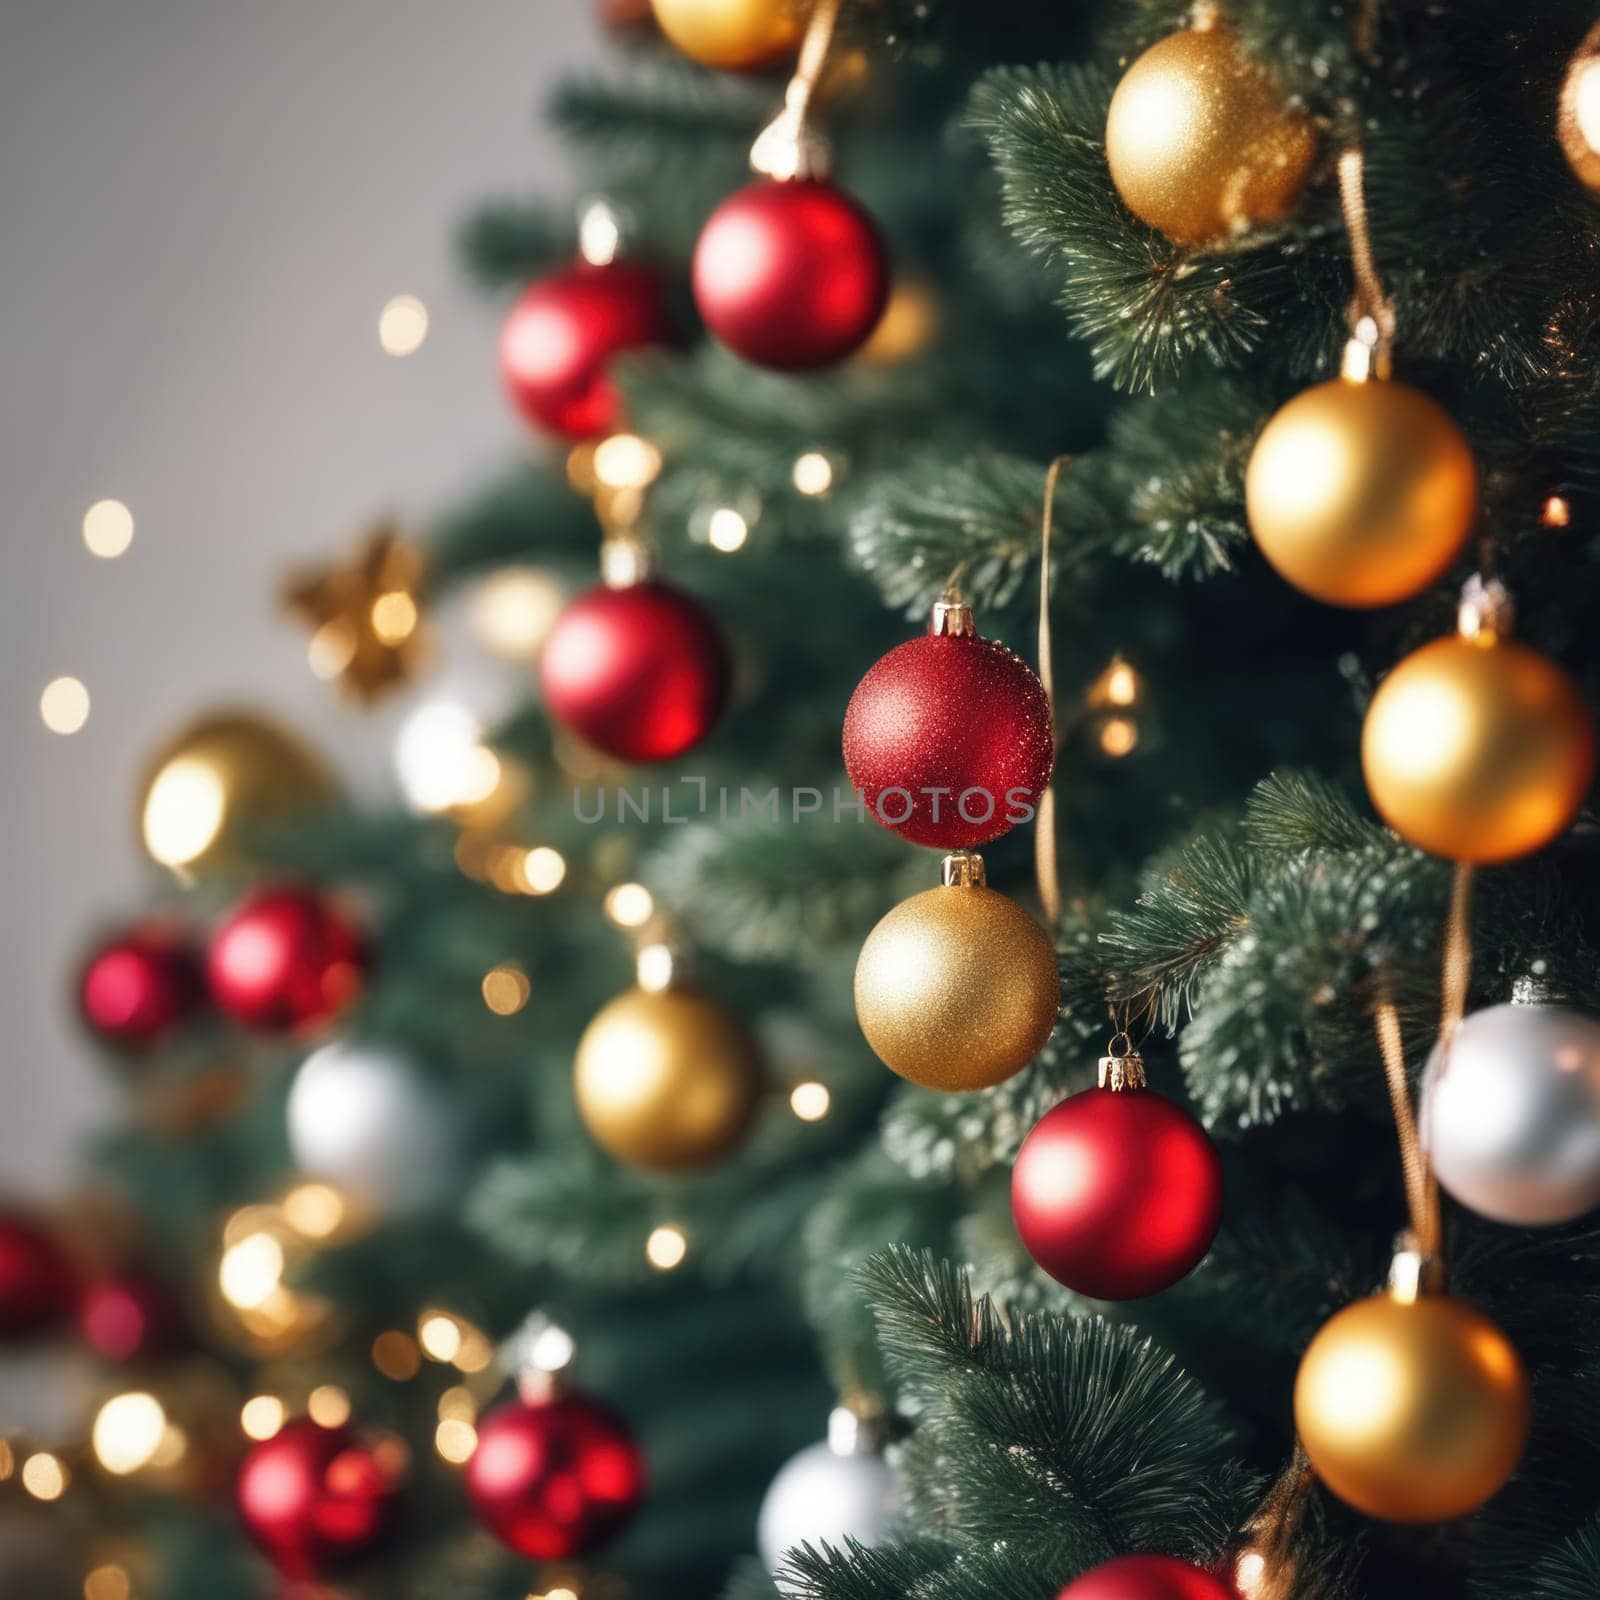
[1571, 1572]
[1068, 1438]
[508, 242]
[1148, 309]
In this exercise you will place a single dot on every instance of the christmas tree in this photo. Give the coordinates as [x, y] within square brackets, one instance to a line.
[1164, 468]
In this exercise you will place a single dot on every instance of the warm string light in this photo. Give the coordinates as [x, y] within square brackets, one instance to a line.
[64, 705]
[666, 1248]
[727, 530]
[810, 1101]
[396, 1356]
[506, 989]
[45, 1476]
[109, 1582]
[630, 905]
[403, 325]
[128, 1432]
[813, 473]
[107, 529]
[1556, 512]
[262, 1417]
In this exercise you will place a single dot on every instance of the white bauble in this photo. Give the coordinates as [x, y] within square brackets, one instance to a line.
[366, 1120]
[826, 1494]
[1510, 1114]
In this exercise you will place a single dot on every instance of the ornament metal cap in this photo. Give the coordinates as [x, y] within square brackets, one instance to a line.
[1367, 354]
[1536, 989]
[1413, 1273]
[625, 561]
[1486, 612]
[963, 869]
[952, 619]
[856, 1427]
[1122, 1067]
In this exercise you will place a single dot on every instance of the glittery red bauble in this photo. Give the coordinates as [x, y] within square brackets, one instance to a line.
[38, 1286]
[948, 737]
[640, 672]
[559, 338]
[138, 987]
[1147, 1578]
[133, 1316]
[286, 959]
[791, 275]
[1117, 1194]
[315, 1500]
[553, 1479]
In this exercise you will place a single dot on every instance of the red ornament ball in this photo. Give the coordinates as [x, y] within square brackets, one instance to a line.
[133, 1316]
[1117, 1193]
[949, 739]
[639, 672]
[558, 340]
[315, 1500]
[286, 960]
[38, 1284]
[1147, 1578]
[138, 987]
[553, 1479]
[791, 275]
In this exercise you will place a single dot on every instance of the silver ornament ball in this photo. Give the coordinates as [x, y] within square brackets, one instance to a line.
[1510, 1114]
[836, 1490]
[368, 1121]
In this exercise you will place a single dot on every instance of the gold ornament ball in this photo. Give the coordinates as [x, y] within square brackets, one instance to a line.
[1412, 1412]
[1361, 494]
[222, 779]
[667, 1079]
[1478, 749]
[1200, 140]
[957, 988]
[734, 35]
[1578, 118]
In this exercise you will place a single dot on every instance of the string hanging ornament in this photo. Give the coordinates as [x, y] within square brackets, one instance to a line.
[790, 272]
[1362, 491]
[636, 667]
[1412, 1406]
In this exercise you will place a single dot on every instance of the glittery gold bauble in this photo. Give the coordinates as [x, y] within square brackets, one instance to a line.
[1412, 1412]
[1201, 141]
[1478, 749]
[736, 35]
[1361, 494]
[667, 1079]
[221, 780]
[957, 988]
[1578, 120]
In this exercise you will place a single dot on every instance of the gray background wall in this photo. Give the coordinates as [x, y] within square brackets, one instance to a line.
[204, 204]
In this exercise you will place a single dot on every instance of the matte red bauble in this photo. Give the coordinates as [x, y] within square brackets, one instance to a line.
[1147, 1578]
[140, 986]
[38, 1285]
[552, 1479]
[949, 739]
[315, 1500]
[559, 338]
[1117, 1194]
[286, 959]
[791, 275]
[639, 672]
[133, 1316]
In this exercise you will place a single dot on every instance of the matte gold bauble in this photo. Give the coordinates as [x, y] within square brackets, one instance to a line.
[1412, 1412]
[1578, 120]
[667, 1079]
[1201, 141]
[1361, 494]
[735, 35]
[224, 778]
[1478, 749]
[957, 988]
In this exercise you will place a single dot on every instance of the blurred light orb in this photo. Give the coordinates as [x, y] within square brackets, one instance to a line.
[127, 1433]
[64, 705]
[403, 325]
[107, 529]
